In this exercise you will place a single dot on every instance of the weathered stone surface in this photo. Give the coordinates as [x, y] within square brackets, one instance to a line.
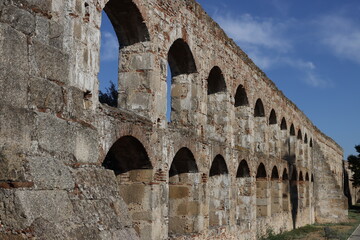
[72, 168]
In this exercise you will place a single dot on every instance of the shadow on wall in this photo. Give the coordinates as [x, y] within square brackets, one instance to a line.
[294, 199]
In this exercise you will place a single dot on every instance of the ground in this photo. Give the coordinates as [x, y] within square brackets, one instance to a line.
[341, 231]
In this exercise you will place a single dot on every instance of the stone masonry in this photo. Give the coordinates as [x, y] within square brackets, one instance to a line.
[237, 159]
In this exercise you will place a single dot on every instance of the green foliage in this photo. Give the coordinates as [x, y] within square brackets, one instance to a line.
[354, 165]
[110, 97]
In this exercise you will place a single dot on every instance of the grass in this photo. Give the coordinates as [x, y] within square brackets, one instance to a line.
[339, 231]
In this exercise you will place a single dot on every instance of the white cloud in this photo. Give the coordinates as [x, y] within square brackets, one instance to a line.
[250, 31]
[109, 47]
[341, 36]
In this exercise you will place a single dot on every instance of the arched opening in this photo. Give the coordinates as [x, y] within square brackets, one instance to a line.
[130, 162]
[219, 183]
[217, 118]
[285, 141]
[133, 69]
[272, 117]
[216, 81]
[292, 130]
[285, 191]
[259, 109]
[275, 191]
[299, 135]
[243, 170]
[311, 142]
[241, 98]
[262, 192]
[273, 136]
[182, 66]
[283, 125]
[305, 139]
[242, 112]
[244, 185]
[259, 127]
[183, 193]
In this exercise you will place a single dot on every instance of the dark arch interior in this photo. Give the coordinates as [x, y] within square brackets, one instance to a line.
[218, 166]
[127, 21]
[272, 118]
[301, 178]
[294, 175]
[299, 135]
[285, 175]
[181, 59]
[241, 97]
[311, 142]
[183, 162]
[274, 173]
[127, 154]
[243, 170]
[312, 177]
[306, 177]
[261, 171]
[305, 138]
[292, 130]
[283, 125]
[259, 109]
[216, 81]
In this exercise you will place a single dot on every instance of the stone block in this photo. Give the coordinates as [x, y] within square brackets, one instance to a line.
[177, 192]
[46, 95]
[188, 208]
[95, 183]
[144, 61]
[53, 206]
[19, 19]
[13, 50]
[50, 173]
[13, 89]
[49, 62]
[133, 193]
[142, 175]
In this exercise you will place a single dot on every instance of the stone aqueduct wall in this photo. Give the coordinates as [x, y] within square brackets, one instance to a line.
[238, 158]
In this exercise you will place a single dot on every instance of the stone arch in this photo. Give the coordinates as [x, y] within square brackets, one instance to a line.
[273, 134]
[241, 98]
[134, 69]
[285, 191]
[244, 184]
[283, 125]
[216, 81]
[216, 104]
[243, 170]
[259, 126]
[181, 59]
[301, 178]
[125, 155]
[127, 21]
[129, 160]
[262, 192]
[302, 191]
[259, 109]
[292, 130]
[305, 139]
[242, 112]
[307, 190]
[272, 117]
[183, 185]
[219, 184]
[311, 142]
[299, 135]
[275, 191]
[182, 66]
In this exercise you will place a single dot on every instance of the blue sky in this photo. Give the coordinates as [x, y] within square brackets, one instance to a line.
[310, 49]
